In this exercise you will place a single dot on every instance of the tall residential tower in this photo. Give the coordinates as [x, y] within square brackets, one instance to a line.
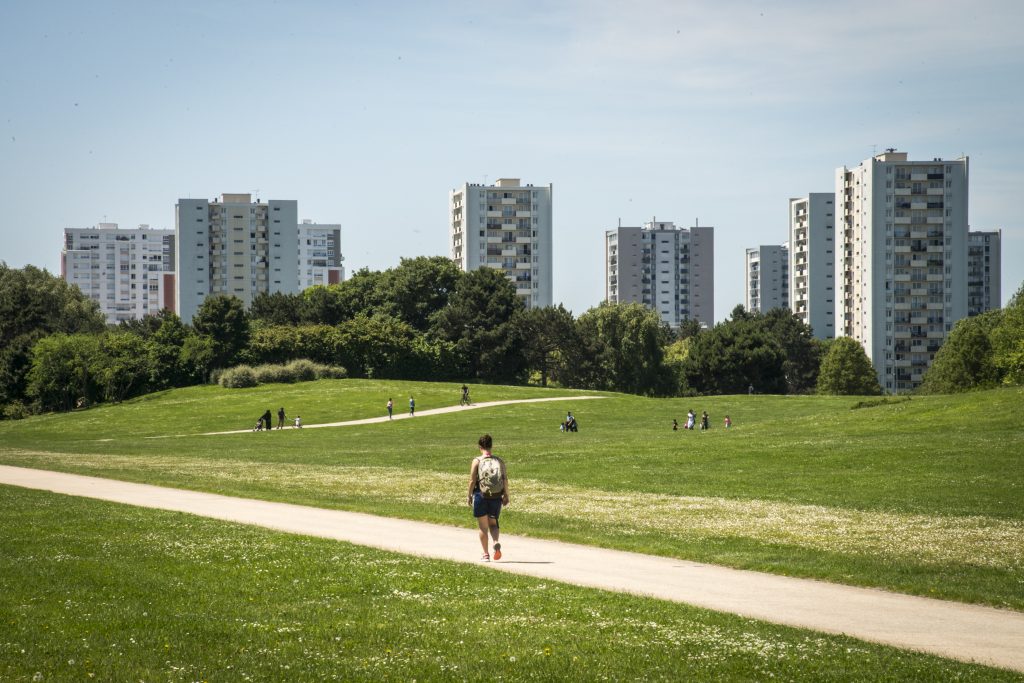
[984, 271]
[506, 226]
[812, 262]
[902, 236]
[235, 247]
[767, 284]
[668, 269]
[128, 272]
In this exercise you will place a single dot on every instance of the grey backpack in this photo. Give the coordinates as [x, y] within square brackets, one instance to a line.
[488, 475]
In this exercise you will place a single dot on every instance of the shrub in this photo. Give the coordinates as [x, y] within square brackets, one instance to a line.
[15, 410]
[238, 377]
[269, 373]
[302, 370]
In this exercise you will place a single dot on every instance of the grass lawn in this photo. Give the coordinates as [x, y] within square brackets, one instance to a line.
[91, 590]
[923, 496]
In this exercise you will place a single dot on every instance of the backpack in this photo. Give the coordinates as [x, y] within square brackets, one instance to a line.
[488, 476]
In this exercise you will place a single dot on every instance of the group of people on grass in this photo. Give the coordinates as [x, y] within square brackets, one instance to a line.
[705, 421]
[264, 423]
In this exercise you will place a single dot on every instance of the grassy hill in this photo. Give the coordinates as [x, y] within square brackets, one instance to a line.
[921, 495]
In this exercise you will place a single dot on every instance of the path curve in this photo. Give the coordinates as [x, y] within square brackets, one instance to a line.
[960, 631]
[422, 413]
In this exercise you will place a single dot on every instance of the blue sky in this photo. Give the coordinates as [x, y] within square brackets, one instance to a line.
[368, 113]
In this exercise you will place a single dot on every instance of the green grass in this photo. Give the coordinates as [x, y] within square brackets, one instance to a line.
[91, 590]
[924, 496]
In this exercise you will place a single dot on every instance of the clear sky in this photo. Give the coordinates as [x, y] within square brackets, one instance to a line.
[368, 113]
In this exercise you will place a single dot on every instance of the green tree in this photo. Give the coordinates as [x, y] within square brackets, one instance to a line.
[847, 371]
[277, 308]
[61, 371]
[1008, 341]
[479, 322]
[735, 354]
[121, 369]
[418, 288]
[803, 357]
[547, 333]
[34, 304]
[625, 343]
[965, 360]
[164, 352]
[222, 320]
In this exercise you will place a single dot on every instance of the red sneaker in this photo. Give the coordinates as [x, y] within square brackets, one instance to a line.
[497, 551]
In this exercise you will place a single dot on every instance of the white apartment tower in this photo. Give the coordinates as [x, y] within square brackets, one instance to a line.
[668, 269]
[812, 262]
[505, 226]
[128, 272]
[320, 259]
[235, 247]
[767, 278]
[984, 271]
[903, 260]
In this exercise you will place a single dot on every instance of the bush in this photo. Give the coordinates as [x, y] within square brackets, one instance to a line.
[302, 370]
[238, 377]
[15, 410]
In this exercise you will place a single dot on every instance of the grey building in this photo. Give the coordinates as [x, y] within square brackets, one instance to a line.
[812, 262]
[984, 271]
[767, 283]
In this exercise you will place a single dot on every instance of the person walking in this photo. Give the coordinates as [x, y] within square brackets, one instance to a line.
[690, 418]
[412, 406]
[464, 401]
[280, 417]
[705, 422]
[675, 425]
[391, 408]
[488, 492]
[728, 422]
[298, 422]
[267, 419]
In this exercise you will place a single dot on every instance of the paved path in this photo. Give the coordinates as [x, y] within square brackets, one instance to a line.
[400, 415]
[958, 631]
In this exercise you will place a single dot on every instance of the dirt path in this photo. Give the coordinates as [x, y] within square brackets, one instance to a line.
[403, 415]
[955, 630]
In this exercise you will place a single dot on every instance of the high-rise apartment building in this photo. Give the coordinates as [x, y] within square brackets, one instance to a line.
[902, 236]
[320, 259]
[812, 262]
[505, 226]
[984, 271]
[767, 278]
[128, 272]
[235, 247]
[668, 269]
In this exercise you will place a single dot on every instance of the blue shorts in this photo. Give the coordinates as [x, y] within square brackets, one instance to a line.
[491, 507]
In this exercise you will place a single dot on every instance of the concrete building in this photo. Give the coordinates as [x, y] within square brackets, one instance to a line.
[767, 285]
[506, 226]
[984, 271]
[128, 272]
[320, 259]
[902, 232]
[812, 262]
[668, 269]
[235, 247]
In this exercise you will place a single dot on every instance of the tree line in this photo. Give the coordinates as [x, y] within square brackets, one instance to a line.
[424, 320]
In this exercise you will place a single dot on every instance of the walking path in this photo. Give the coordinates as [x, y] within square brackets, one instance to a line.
[424, 413]
[955, 630]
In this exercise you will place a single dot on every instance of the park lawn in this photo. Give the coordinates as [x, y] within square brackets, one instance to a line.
[923, 496]
[91, 590]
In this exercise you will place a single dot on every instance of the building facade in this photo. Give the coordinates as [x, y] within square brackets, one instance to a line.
[812, 262]
[668, 269]
[235, 247]
[767, 285]
[506, 226]
[128, 272]
[320, 259]
[984, 271]
[902, 263]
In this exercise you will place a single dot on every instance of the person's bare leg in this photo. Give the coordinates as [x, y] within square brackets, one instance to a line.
[482, 523]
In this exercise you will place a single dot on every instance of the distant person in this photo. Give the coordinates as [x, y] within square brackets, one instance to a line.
[298, 422]
[488, 492]
[728, 422]
[750, 390]
[705, 422]
[267, 418]
[391, 408]
[675, 425]
[691, 418]
[464, 401]
[412, 406]
[570, 423]
[258, 427]
[280, 418]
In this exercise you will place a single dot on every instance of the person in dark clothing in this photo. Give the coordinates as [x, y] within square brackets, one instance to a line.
[267, 418]
[280, 417]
